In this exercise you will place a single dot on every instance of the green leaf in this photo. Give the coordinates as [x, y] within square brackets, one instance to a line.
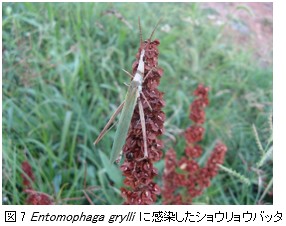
[112, 171]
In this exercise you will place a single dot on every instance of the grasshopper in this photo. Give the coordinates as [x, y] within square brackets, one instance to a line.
[132, 97]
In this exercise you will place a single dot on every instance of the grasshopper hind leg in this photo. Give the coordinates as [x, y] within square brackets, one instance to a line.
[142, 119]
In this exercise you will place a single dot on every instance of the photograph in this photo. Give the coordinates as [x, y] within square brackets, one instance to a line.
[139, 103]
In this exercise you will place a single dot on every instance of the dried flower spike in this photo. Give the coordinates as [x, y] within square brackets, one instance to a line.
[186, 172]
[138, 170]
[28, 175]
[38, 198]
[33, 197]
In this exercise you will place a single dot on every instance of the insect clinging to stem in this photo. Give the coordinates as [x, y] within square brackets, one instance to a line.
[128, 105]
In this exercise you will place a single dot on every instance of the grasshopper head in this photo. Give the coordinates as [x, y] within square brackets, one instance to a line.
[146, 42]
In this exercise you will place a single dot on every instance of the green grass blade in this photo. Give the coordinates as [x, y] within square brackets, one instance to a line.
[65, 131]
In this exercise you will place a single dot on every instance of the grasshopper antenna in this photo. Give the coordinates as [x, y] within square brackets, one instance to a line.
[155, 28]
[140, 30]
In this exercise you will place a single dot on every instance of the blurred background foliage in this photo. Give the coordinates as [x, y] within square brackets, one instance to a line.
[62, 80]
